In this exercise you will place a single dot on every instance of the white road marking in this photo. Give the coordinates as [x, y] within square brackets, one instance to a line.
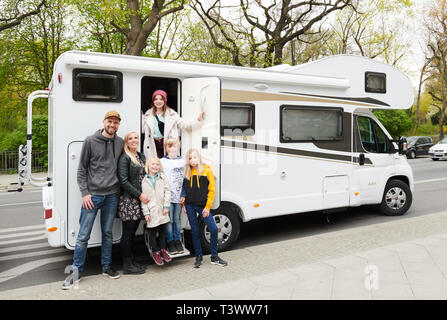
[36, 226]
[15, 235]
[430, 180]
[25, 247]
[18, 271]
[33, 254]
[19, 203]
[44, 236]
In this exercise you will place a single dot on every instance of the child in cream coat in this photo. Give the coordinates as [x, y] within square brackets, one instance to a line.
[155, 185]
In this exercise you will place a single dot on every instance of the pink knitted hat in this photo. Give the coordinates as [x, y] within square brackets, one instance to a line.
[160, 92]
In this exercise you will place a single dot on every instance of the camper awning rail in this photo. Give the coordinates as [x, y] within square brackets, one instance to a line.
[193, 69]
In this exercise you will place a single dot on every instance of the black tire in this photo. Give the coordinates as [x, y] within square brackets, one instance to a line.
[396, 199]
[412, 154]
[435, 159]
[225, 217]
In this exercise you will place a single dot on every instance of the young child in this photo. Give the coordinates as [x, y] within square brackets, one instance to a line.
[198, 195]
[156, 212]
[174, 169]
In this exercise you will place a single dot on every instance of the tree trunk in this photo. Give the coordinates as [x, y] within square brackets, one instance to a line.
[278, 54]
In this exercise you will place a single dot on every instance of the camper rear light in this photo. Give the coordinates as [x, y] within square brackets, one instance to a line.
[59, 77]
[48, 213]
[52, 229]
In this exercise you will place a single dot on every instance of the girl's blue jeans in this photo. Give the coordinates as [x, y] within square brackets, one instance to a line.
[194, 214]
[173, 226]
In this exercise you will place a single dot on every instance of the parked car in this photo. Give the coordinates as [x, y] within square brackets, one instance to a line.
[439, 150]
[417, 146]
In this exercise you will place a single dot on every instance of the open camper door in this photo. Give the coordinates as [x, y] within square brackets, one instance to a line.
[203, 94]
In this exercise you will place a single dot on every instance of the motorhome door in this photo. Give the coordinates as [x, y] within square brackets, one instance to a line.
[75, 202]
[203, 94]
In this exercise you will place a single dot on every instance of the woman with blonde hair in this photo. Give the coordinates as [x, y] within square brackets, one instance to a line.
[130, 174]
[156, 186]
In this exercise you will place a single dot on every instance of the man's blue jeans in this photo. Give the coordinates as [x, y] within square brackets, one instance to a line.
[173, 226]
[108, 205]
[192, 212]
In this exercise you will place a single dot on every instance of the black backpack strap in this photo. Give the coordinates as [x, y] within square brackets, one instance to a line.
[161, 125]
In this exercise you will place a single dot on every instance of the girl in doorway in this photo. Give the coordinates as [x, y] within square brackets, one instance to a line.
[198, 195]
[156, 212]
[161, 123]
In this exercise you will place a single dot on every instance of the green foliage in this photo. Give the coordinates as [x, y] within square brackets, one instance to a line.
[397, 122]
[11, 141]
[435, 119]
[426, 129]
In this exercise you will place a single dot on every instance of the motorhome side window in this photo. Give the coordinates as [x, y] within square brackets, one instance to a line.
[372, 136]
[97, 85]
[237, 119]
[299, 124]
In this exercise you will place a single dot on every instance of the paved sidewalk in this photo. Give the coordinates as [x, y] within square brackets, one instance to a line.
[9, 182]
[399, 259]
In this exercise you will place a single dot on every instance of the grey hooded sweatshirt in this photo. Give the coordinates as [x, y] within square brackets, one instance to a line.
[97, 171]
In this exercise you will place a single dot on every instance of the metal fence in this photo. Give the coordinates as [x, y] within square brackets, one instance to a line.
[9, 161]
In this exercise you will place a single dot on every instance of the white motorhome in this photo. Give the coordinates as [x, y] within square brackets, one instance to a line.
[281, 140]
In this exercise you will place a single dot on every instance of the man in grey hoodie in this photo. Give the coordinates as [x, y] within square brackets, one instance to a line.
[100, 189]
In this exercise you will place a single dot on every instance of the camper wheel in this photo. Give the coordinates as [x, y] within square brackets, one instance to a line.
[396, 198]
[228, 224]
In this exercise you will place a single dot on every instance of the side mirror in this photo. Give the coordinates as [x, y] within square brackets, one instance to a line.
[402, 146]
[361, 159]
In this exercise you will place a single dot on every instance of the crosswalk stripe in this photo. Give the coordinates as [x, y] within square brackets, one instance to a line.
[37, 226]
[15, 235]
[19, 270]
[19, 203]
[43, 236]
[33, 254]
[25, 247]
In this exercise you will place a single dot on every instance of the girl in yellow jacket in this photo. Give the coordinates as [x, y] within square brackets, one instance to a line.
[198, 195]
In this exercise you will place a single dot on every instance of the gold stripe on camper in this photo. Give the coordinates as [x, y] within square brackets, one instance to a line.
[229, 95]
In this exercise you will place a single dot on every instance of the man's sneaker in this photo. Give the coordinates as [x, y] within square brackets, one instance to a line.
[198, 262]
[217, 260]
[157, 258]
[165, 256]
[69, 282]
[111, 273]
[172, 248]
[179, 246]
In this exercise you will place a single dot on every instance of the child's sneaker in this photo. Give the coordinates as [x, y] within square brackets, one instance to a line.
[157, 258]
[198, 262]
[217, 260]
[172, 248]
[165, 255]
[179, 246]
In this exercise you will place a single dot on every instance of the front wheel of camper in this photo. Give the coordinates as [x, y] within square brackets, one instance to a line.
[396, 198]
[228, 227]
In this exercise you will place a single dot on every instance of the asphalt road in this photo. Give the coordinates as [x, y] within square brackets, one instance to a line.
[26, 259]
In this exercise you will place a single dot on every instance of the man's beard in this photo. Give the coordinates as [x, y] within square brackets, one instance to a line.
[110, 131]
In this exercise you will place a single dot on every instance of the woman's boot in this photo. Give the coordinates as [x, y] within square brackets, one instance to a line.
[129, 268]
